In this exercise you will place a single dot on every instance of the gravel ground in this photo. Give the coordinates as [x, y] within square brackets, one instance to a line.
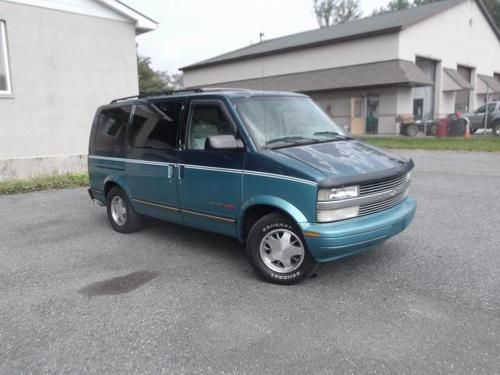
[77, 297]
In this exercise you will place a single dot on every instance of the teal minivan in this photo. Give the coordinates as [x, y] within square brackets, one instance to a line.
[269, 168]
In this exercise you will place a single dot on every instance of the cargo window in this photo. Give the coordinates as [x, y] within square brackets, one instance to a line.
[155, 125]
[112, 125]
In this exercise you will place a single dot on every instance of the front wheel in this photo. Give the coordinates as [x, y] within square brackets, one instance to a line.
[278, 251]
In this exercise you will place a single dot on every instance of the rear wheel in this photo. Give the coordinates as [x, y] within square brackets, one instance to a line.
[121, 214]
[278, 251]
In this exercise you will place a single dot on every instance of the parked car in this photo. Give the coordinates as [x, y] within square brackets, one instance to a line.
[476, 118]
[269, 168]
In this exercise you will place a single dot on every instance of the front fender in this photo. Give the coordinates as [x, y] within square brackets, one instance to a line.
[276, 202]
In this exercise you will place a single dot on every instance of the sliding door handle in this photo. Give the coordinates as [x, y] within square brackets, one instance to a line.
[180, 172]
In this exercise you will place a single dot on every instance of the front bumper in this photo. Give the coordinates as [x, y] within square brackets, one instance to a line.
[337, 240]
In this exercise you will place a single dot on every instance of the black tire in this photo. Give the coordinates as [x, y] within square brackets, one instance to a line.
[411, 131]
[131, 221]
[264, 229]
[432, 130]
[495, 129]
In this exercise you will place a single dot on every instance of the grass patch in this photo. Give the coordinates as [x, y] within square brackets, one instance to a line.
[477, 143]
[69, 180]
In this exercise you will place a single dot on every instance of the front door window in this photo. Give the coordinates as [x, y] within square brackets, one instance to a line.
[207, 120]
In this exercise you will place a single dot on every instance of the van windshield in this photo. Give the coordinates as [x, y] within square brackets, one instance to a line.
[282, 121]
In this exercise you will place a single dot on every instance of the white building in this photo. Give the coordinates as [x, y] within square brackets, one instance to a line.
[428, 61]
[60, 60]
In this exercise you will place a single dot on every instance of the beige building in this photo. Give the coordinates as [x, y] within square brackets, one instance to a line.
[428, 61]
[60, 60]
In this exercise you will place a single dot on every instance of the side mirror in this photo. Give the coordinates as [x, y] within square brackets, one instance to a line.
[225, 142]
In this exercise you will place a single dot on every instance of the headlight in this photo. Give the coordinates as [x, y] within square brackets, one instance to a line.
[324, 216]
[338, 193]
[408, 176]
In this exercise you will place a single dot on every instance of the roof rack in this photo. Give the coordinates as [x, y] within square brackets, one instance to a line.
[175, 92]
[159, 93]
[208, 89]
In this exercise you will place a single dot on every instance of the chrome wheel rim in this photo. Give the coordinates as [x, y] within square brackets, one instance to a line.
[282, 251]
[118, 210]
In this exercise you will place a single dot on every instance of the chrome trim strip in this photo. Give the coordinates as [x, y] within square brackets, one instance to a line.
[279, 176]
[157, 205]
[206, 168]
[211, 217]
[363, 200]
[133, 161]
[189, 212]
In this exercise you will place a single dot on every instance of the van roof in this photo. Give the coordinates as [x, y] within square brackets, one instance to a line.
[209, 91]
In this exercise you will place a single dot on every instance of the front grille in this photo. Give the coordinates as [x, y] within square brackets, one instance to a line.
[372, 208]
[378, 187]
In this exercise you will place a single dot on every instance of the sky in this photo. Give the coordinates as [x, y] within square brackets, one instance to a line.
[194, 30]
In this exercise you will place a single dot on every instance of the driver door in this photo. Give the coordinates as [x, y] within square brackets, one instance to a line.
[210, 181]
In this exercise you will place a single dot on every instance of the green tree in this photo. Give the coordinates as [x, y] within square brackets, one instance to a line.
[331, 12]
[393, 6]
[151, 80]
[417, 3]
[494, 8]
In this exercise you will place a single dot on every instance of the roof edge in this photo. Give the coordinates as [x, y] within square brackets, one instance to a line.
[142, 22]
[489, 18]
[201, 65]
[408, 80]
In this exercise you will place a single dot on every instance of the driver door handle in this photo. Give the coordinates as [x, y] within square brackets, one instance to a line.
[180, 172]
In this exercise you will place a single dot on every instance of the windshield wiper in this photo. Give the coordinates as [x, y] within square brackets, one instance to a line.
[294, 140]
[332, 134]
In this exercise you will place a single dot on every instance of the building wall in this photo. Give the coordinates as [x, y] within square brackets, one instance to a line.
[379, 48]
[63, 66]
[340, 103]
[459, 36]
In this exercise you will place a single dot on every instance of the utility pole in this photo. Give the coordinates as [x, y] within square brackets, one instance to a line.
[486, 111]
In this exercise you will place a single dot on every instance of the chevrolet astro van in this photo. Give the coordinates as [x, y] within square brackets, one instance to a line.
[269, 168]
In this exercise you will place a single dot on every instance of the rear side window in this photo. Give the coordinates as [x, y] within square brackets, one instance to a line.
[155, 125]
[112, 126]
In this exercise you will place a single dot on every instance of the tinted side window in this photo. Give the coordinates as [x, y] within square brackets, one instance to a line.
[206, 120]
[112, 125]
[155, 125]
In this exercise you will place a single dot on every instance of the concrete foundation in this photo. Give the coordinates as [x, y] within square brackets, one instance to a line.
[22, 168]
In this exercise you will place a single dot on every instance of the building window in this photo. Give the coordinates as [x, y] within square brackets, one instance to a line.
[372, 116]
[424, 96]
[462, 98]
[5, 85]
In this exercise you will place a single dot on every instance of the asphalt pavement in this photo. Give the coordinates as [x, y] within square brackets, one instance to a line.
[77, 297]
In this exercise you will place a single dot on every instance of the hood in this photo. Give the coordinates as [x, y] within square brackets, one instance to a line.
[348, 161]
